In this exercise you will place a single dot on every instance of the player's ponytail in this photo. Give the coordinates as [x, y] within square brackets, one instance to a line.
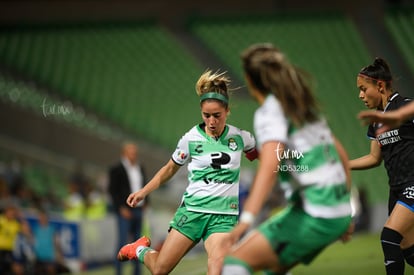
[379, 70]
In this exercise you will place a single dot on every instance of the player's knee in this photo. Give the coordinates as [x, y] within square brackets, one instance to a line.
[390, 241]
[214, 262]
[409, 255]
[234, 266]
[161, 270]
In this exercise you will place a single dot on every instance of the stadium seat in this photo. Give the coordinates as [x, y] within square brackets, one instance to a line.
[400, 23]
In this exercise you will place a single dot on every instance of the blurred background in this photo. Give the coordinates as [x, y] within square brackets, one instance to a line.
[78, 78]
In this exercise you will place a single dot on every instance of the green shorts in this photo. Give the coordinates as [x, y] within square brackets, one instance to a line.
[295, 236]
[198, 225]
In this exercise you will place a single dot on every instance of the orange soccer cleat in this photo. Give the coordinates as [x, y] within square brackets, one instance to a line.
[129, 251]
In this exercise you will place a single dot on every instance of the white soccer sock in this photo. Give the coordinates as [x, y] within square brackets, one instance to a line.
[232, 269]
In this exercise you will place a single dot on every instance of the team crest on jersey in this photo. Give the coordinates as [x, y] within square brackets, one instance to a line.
[232, 144]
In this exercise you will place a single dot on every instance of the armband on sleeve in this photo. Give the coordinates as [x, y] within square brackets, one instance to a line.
[252, 154]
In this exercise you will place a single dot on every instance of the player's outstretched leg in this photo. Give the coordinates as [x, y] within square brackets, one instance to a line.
[132, 250]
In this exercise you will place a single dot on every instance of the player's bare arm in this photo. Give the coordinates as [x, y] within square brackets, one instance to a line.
[162, 176]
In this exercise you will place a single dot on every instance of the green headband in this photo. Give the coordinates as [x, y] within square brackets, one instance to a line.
[212, 95]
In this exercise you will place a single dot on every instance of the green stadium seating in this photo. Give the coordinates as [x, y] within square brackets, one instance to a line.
[133, 74]
[400, 24]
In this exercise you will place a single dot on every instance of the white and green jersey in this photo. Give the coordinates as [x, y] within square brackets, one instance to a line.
[213, 168]
[310, 169]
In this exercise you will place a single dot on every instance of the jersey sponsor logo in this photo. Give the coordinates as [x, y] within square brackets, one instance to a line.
[219, 159]
[198, 149]
[389, 137]
[232, 144]
[210, 180]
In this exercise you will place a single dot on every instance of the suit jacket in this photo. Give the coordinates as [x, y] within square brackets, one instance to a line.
[119, 188]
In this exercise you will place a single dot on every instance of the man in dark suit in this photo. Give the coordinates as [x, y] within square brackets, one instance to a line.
[126, 177]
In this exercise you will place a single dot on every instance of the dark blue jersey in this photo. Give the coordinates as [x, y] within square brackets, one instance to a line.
[397, 145]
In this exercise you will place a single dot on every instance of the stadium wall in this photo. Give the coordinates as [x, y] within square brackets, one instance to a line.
[166, 11]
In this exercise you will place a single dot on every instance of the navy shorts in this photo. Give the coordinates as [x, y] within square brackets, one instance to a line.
[403, 195]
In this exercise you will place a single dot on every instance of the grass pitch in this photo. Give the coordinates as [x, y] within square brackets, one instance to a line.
[361, 256]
